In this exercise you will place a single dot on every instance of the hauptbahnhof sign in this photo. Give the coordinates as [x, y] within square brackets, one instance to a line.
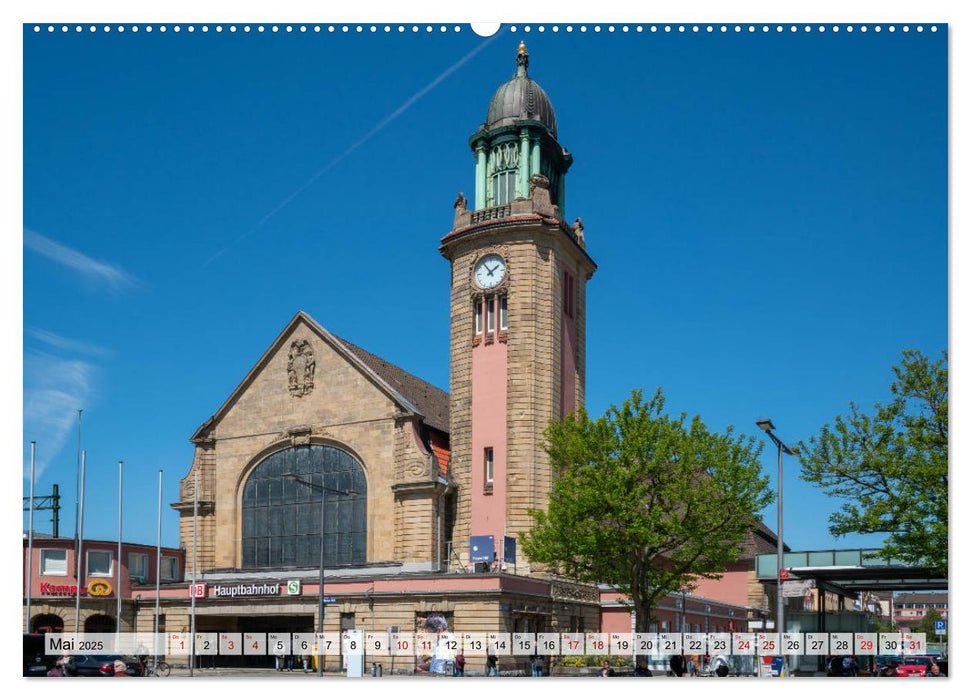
[243, 590]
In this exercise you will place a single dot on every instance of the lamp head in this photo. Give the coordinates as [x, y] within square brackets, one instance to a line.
[765, 424]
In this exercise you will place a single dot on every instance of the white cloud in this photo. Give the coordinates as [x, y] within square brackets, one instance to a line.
[54, 390]
[63, 343]
[115, 277]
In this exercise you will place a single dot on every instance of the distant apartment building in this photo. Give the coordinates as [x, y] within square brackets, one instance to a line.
[910, 608]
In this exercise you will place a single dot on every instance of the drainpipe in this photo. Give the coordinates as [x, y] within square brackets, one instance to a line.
[441, 507]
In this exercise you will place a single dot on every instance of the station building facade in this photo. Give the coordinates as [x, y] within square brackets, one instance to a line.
[322, 439]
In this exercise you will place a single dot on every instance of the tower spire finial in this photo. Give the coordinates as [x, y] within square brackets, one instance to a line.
[522, 59]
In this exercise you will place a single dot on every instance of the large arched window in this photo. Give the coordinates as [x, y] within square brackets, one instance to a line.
[281, 509]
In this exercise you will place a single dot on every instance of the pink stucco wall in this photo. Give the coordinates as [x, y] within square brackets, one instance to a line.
[568, 361]
[731, 588]
[488, 516]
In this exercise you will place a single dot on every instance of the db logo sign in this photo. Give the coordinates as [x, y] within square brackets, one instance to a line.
[99, 588]
[197, 590]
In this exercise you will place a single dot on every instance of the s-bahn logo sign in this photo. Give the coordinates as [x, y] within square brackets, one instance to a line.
[243, 590]
[99, 588]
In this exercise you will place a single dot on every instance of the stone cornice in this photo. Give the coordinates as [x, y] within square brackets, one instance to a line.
[550, 224]
[418, 487]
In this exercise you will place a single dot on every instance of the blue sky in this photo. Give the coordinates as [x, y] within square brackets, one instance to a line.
[768, 211]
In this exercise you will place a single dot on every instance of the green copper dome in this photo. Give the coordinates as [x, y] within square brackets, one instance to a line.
[520, 98]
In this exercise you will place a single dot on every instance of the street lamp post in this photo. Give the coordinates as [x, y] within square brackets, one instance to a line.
[320, 582]
[684, 593]
[766, 425]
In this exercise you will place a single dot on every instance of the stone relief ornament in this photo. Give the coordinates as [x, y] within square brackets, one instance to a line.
[416, 468]
[300, 368]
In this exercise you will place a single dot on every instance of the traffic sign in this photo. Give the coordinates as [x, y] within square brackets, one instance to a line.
[940, 626]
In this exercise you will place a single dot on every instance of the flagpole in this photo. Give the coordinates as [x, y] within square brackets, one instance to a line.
[121, 468]
[30, 533]
[79, 551]
[158, 566]
[195, 567]
[77, 489]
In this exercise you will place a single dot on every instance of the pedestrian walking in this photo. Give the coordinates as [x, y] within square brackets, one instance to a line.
[58, 670]
[458, 666]
[677, 665]
[492, 665]
[721, 666]
[537, 666]
[69, 665]
[849, 667]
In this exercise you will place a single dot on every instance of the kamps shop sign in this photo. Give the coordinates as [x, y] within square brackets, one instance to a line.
[98, 588]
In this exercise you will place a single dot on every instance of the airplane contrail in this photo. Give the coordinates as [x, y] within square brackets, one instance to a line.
[360, 142]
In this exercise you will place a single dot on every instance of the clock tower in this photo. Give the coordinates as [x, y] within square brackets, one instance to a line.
[518, 315]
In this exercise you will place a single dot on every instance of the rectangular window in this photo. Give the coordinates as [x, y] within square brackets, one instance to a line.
[503, 314]
[504, 187]
[490, 315]
[170, 569]
[477, 312]
[137, 565]
[489, 467]
[53, 562]
[161, 623]
[99, 563]
[568, 294]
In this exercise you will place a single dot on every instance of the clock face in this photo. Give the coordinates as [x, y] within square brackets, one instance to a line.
[489, 271]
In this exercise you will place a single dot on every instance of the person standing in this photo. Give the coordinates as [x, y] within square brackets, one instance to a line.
[537, 666]
[492, 665]
[458, 666]
[677, 665]
[120, 668]
[606, 671]
[70, 665]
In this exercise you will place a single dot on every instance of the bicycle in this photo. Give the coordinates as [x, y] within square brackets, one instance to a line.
[157, 668]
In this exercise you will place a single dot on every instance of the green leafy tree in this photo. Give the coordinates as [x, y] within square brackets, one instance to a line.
[886, 625]
[926, 625]
[891, 466]
[645, 502]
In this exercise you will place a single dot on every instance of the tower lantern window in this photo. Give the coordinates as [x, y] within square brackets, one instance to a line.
[505, 159]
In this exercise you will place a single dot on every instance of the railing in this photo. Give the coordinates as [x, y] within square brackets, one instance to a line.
[500, 212]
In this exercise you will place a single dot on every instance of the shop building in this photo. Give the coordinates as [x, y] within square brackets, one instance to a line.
[55, 581]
